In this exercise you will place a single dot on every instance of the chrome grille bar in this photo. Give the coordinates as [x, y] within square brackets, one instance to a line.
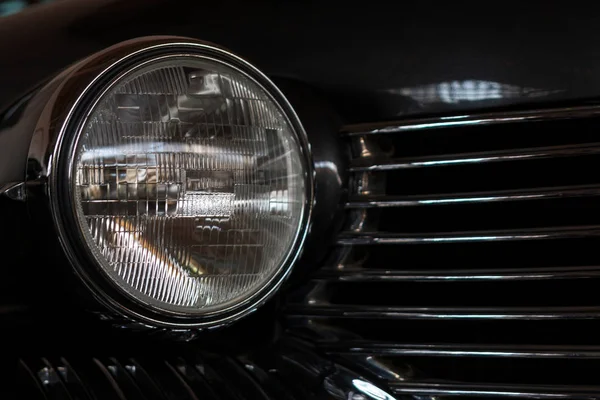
[482, 119]
[368, 164]
[461, 350]
[426, 275]
[443, 313]
[367, 238]
[484, 390]
[527, 179]
[474, 197]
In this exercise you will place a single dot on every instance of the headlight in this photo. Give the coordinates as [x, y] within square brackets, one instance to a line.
[183, 176]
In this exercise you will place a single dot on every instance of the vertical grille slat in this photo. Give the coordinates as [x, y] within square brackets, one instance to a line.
[47, 377]
[112, 382]
[164, 377]
[28, 385]
[194, 380]
[144, 381]
[477, 235]
[243, 379]
[184, 383]
[197, 376]
[73, 383]
[123, 379]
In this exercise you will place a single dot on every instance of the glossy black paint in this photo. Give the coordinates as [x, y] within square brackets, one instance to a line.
[371, 56]
[330, 158]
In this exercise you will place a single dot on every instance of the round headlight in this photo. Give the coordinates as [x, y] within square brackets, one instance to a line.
[190, 181]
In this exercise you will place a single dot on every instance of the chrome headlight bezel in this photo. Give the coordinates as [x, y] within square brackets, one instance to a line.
[73, 95]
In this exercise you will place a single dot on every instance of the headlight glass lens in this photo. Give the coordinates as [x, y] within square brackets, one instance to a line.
[190, 185]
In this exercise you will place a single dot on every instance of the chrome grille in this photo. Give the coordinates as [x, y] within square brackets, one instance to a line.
[470, 263]
[134, 378]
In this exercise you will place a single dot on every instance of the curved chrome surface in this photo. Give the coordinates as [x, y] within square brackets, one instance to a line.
[68, 97]
[490, 118]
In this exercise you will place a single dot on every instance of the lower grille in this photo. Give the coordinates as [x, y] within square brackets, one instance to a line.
[286, 370]
[470, 263]
[128, 378]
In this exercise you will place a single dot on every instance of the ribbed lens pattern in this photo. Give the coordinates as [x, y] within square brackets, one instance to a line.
[190, 185]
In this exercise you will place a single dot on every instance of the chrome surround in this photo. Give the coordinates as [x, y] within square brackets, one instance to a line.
[69, 100]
